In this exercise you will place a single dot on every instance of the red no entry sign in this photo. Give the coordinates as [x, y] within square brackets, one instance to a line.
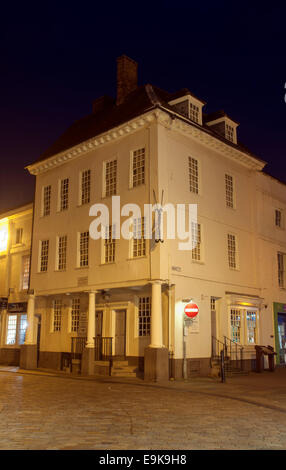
[191, 310]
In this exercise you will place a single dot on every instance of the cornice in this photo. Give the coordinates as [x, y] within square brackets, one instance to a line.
[163, 117]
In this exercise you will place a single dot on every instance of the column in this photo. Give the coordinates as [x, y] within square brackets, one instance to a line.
[29, 339]
[87, 361]
[156, 316]
[91, 320]
[156, 358]
[28, 352]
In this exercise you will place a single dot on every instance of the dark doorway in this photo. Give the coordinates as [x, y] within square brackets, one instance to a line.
[282, 337]
[120, 333]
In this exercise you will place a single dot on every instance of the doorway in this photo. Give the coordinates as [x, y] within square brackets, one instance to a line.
[282, 337]
[120, 333]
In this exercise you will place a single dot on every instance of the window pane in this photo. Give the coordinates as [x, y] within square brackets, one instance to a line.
[11, 329]
[22, 329]
[144, 319]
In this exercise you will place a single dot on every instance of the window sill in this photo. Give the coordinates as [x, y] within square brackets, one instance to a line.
[196, 261]
[134, 258]
[81, 267]
[107, 264]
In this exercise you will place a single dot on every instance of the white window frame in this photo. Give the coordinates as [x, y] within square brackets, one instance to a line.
[190, 173]
[19, 236]
[138, 245]
[243, 311]
[281, 269]
[236, 252]
[46, 200]
[63, 194]
[280, 218]
[75, 310]
[42, 262]
[25, 272]
[197, 251]
[80, 256]
[109, 245]
[131, 175]
[229, 195]
[61, 256]
[57, 316]
[109, 193]
[20, 317]
[147, 327]
[85, 186]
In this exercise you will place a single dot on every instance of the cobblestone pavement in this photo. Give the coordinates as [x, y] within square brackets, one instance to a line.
[40, 411]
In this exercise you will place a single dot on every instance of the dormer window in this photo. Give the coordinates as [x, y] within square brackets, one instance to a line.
[229, 132]
[221, 124]
[189, 106]
[194, 113]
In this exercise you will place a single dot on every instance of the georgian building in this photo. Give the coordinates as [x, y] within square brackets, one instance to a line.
[126, 298]
[15, 246]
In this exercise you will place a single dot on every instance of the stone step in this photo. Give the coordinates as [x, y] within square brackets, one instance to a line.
[122, 373]
[119, 363]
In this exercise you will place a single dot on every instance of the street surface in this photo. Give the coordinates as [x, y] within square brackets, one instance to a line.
[41, 411]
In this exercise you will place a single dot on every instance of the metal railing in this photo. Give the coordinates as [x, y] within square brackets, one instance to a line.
[234, 352]
[217, 347]
[102, 348]
[77, 346]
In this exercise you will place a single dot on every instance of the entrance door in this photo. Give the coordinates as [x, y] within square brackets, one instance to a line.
[98, 324]
[120, 332]
[282, 337]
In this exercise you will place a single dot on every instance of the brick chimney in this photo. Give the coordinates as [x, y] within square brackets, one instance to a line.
[126, 77]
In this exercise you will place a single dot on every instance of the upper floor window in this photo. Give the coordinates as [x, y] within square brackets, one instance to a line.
[194, 175]
[232, 250]
[229, 132]
[25, 272]
[196, 239]
[281, 268]
[85, 187]
[110, 178]
[138, 167]
[44, 255]
[109, 244]
[83, 249]
[278, 218]
[19, 236]
[139, 241]
[46, 202]
[62, 253]
[64, 194]
[229, 191]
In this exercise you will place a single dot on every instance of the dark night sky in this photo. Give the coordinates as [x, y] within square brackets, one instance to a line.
[55, 61]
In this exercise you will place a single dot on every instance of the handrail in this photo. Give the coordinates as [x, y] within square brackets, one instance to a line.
[236, 353]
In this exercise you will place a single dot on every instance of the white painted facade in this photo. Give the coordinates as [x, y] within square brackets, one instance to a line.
[168, 143]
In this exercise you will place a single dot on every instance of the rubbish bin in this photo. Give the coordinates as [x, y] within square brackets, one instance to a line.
[262, 351]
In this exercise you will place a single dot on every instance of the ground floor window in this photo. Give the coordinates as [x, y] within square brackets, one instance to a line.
[243, 325]
[16, 329]
[144, 316]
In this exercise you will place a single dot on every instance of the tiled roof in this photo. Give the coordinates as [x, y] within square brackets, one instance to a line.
[143, 99]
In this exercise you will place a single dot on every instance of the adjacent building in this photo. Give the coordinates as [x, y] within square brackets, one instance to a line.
[15, 252]
[125, 298]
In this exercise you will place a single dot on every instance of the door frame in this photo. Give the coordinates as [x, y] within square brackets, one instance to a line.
[109, 318]
[125, 330]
